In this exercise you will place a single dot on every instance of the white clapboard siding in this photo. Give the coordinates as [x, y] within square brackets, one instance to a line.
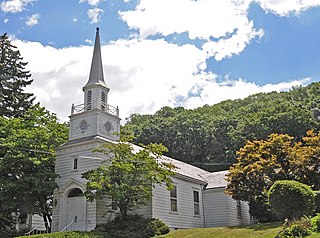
[184, 217]
[234, 219]
[216, 208]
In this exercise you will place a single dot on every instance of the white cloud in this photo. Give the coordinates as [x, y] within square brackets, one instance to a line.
[33, 20]
[287, 7]
[91, 2]
[15, 5]
[6, 20]
[94, 14]
[222, 24]
[143, 76]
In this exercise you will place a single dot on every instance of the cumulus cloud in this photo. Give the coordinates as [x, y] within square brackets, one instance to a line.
[287, 7]
[33, 20]
[14, 6]
[91, 2]
[143, 76]
[222, 24]
[94, 14]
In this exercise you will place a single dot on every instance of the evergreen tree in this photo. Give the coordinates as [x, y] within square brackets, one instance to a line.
[13, 78]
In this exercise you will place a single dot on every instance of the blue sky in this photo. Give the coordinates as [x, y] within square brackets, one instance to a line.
[165, 52]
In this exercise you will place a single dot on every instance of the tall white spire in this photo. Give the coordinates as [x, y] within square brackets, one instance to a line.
[96, 72]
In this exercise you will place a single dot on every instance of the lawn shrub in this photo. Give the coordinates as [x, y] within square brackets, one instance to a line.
[296, 228]
[317, 201]
[68, 234]
[315, 223]
[133, 226]
[291, 199]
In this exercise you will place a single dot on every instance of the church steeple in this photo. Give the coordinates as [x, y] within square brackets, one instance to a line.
[95, 117]
[96, 72]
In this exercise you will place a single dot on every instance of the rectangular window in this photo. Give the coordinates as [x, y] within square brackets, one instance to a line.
[196, 203]
[239, 213]
[75, 163]
[173, 200]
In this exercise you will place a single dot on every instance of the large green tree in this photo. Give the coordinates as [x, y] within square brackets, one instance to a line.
[128, 176]
[210, 136]
[13, 80]
[27, 164]
[261, 163]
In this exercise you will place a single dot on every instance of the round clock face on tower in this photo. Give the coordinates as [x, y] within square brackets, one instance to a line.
[83, 126]
[108, 126]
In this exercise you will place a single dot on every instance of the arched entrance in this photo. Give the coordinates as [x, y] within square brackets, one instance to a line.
[76, 210]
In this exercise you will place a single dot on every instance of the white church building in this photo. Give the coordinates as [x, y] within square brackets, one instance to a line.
[198, 199]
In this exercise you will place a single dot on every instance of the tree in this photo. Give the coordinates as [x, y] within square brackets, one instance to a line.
[261, 163]
[13, 79]
[27, 164]
[130, 176]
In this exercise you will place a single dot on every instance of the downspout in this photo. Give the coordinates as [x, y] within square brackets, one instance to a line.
[203, 187]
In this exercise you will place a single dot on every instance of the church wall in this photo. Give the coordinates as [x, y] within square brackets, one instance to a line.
[216, 207]
[184, 217]
[234, 219]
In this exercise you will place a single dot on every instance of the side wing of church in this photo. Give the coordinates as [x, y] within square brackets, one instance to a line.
[198, 199]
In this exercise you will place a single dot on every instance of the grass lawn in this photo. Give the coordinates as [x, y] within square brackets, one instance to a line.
[268, 230]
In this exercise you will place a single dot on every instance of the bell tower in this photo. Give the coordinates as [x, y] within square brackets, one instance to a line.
[95, 117]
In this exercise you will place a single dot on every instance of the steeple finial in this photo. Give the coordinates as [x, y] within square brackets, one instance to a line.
[96, 72]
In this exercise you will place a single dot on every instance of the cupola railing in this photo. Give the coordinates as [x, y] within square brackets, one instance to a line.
[76, 109]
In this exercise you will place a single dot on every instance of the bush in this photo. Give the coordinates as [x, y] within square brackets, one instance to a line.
[133, 226]
[291, 199]
[296, 228]
[317, 201]
[315, 223]
[69, 234]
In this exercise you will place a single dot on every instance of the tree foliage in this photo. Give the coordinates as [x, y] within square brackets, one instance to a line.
[210, 136]
[261, 163]
[13, 79]
[291, 199]
[129, 175]
[27, 163]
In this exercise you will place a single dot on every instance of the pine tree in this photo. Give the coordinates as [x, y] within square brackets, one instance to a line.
[13, 79]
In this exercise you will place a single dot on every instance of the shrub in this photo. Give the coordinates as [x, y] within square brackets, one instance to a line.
[291, 199]
[315, 223]
[133, 226]
[69, 234]
[317, 201]
[296, 228]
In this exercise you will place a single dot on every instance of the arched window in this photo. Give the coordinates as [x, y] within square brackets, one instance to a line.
[103, 101]
[89, 96]
[76, 192]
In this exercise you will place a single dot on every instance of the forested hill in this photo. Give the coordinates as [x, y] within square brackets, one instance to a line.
[209, 136]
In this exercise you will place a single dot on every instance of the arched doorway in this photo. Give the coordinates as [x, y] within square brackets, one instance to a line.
[76, 210]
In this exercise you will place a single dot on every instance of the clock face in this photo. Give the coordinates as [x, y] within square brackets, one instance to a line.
[108, 126]
[83, 126]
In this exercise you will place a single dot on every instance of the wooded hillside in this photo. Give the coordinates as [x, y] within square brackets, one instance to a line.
[209, 136]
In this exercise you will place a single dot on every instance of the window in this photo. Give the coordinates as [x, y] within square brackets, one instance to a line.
[103, 101]
[75, 163]
[239, 213]
[114, 206]
[89, 96]
[196, 203]
[76, 192]
[173, 200]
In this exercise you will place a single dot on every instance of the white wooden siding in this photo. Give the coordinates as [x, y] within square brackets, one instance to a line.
[184, 217]
[234, 219]
[216, 207]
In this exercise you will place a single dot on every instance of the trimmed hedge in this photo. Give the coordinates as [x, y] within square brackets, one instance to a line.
[291, 199]
[133, 226]
[68, 234]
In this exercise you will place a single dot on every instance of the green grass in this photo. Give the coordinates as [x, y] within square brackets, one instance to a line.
[268, 230]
